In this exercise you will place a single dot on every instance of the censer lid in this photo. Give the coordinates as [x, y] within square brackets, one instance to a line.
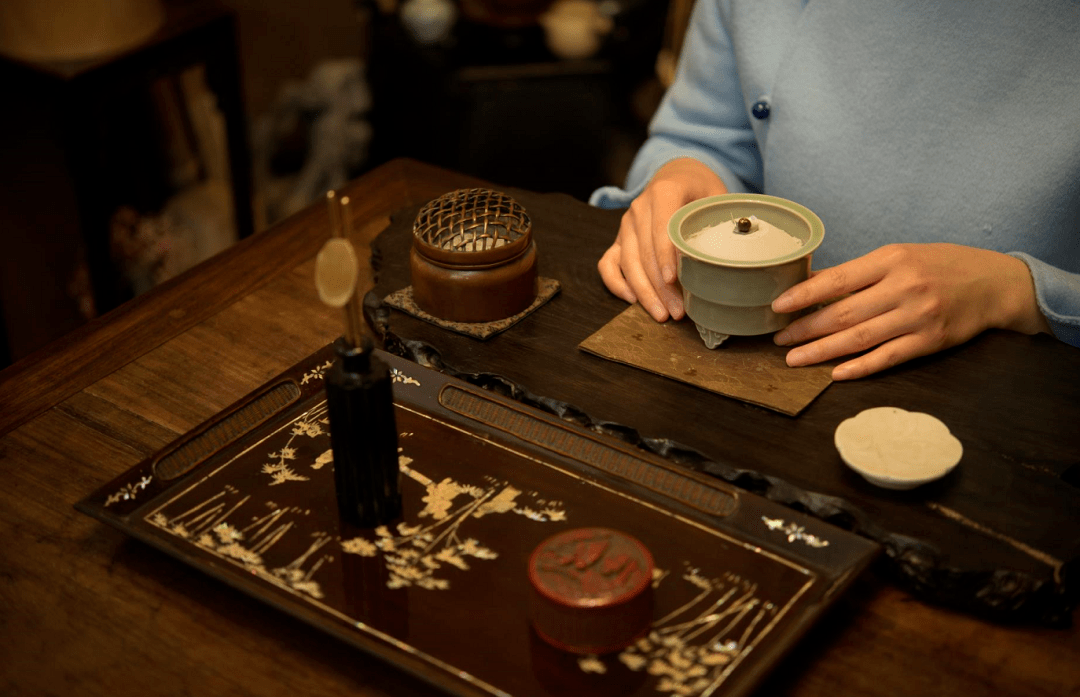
[472, 227]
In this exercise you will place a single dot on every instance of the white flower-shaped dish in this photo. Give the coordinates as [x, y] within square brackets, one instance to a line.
[897, 449]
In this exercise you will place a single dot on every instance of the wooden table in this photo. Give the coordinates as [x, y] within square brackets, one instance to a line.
[85, 610]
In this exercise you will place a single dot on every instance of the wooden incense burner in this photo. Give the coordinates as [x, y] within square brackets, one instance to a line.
[473, 258]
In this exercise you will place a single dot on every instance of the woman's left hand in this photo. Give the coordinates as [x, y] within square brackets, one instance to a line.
[906, 300]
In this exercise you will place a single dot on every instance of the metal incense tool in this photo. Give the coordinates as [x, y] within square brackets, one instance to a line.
[359, 394]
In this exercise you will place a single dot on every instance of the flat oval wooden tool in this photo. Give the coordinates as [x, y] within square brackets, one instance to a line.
[336, 275]
[342, 276]
[336, 272]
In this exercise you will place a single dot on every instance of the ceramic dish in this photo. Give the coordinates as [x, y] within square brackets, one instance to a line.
[728, 297]
[897, 449]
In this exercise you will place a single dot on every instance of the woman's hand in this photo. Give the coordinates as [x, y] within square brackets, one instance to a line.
[640, 265]
[907, 300]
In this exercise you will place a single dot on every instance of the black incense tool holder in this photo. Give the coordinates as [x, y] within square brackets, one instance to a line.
[363, 437]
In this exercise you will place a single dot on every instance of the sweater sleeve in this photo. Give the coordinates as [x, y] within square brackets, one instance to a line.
[1058, 295]
[703, 116]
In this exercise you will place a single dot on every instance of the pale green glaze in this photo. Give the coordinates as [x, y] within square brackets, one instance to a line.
[734, 297]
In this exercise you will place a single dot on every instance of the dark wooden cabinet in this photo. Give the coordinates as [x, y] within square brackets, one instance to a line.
[494, 102]
[77, 141]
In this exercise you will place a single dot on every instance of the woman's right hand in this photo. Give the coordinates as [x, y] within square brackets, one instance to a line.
[640, 265]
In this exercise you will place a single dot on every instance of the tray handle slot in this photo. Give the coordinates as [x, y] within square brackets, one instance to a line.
[589, 450]
[214, 436]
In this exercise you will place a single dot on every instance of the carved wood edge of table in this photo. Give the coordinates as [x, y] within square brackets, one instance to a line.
[992, 574]
[66, 366]
[118, 618]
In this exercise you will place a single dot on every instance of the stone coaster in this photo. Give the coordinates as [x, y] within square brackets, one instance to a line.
[402, 300]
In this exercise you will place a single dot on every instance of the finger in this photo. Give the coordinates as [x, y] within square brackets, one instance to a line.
[642, 287]
[831, 282]
[612, 275]
[666, 259]
[861, 337]
[891, 353]
[838, 316]
[645, 225]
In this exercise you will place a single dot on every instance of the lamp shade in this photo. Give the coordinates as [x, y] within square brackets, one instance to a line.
[65, 30]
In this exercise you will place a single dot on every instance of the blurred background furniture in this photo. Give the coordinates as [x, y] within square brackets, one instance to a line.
[492, 98]
[95, 130]
[120, 153]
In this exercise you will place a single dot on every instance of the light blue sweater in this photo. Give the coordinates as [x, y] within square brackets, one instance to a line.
[894, 121]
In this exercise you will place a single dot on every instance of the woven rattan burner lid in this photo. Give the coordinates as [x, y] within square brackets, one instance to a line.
[473, 258]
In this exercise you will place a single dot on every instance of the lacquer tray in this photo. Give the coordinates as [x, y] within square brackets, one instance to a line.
[248, 497]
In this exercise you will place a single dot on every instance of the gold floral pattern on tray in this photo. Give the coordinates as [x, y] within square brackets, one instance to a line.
[693, 648]
[794, 532]
[310, 425]
[416, 552]
[129, 491]
[413, 553]
[213, 526]
[316, 373]
[398, 376]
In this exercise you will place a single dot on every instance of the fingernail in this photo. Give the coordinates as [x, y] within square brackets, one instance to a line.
[668, 273]
[781, 303]
[675, 307]
[842, 372]
[659, 312]
[782, 338]
[795, 358]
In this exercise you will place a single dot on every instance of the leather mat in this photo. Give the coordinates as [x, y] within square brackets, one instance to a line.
[750, 368]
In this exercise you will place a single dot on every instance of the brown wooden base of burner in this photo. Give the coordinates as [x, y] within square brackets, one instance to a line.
[547, 288]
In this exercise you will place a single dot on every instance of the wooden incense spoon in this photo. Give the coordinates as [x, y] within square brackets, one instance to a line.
[341, 277]
[359, 391]
[336, 273]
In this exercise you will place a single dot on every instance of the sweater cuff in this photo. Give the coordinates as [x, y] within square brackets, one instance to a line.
[1058, 295]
